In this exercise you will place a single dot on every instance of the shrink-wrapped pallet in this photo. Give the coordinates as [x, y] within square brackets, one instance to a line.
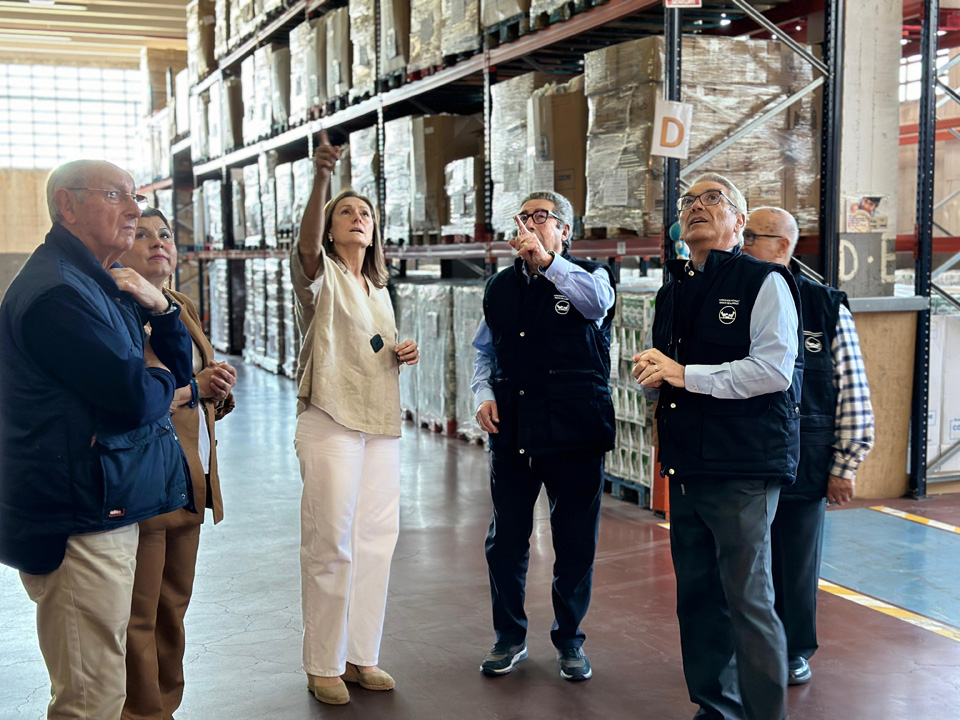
[199, 110]
[154, 65]
[465, 197]
[426, 21]
[268, 197]
[219, 305]
[539, 7]
[494, 12]
[394, 36]
[437, 367]
[291, 339]
[238, 233]
[398, 179]
[340, 178]
[253, 231]
[308, 61]
[729, 82]
[231, 108]
[283, 180]
[181, 103]
[508, 146]
[461, 27]
[212, 209]
[405, 309]
[248, 86]
[255, 315]
[221, 28]
[302, 186]
[201, 19]
[363, 37]
[364, 161]
[279, 59]
[467, 314]
[339, 55]
[273, 326]
[215, 121]
[263, 92]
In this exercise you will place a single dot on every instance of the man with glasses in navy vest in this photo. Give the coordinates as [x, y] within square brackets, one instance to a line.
[726, 367]
[87, 449]
[836, 433]
[542, 388]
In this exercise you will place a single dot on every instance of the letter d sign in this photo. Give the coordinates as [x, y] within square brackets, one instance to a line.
[671, 129]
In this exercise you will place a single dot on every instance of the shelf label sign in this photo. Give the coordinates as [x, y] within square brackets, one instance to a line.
[682, 3]
[671, 129]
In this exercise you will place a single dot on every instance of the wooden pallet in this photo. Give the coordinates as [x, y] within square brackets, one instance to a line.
[414, 75]
[626, 490]
[448, 428]
[431, 238]
[602, 233]
[455, 58]
[391, 81]
[508, 30]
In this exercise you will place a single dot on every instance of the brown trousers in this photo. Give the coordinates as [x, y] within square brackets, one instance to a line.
[166, 564]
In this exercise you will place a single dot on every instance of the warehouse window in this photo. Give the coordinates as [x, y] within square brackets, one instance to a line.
[910, 71]
[50, 114]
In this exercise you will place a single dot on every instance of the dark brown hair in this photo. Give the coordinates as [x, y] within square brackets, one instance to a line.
[374, 263]
[154, 212]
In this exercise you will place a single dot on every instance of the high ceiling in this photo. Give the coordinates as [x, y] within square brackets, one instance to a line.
[89, 32]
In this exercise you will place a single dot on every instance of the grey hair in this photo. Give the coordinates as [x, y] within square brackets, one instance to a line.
[69, 175]
[561, 208]
[735, 195]
[793, 230]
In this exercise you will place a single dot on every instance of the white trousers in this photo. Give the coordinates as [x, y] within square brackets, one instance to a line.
[83, 608]
[349, 522]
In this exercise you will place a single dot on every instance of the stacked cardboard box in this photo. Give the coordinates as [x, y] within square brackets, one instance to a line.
[231, 108]
[212, 207]
[268, 197]
[201, 21]
[394, 36]
[181, 103]
[405, 309]
[339, 54]
[221, 28]
[255, 314]
[215, 145]
[465, 193]
[539, 7]
[302, 186]
[154, 66]
[461, 27]
[219, 305]
[728, 82]
[278, 58]
[426, 21]
[557, 141]
[248, 86]
[363, 35]
[253, 230]
[494, 12]
[364, 163]
[508, 146]
[467, 314]
[398, 179]
[238, 204]
[275, 316]
[437, 367]
[243, 20]
[291, 335]
[283, 175]
[199, 110]
[308, 62]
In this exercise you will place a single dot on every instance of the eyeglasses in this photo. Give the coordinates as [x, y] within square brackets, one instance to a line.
[750, 237]
[539, 216]
[115, 197]
[710, 197]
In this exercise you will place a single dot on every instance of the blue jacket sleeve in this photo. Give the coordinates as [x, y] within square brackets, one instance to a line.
[96, 361]
[171, 342]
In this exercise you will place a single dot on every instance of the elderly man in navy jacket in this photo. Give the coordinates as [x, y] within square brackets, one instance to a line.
[86, 444]
[541, 383]
[726, 366]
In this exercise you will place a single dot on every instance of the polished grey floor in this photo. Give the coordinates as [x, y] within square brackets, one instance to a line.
[243, 654]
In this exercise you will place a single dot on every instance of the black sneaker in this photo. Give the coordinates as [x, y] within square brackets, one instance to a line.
[501, 659]
[800, 672]
[574, 665]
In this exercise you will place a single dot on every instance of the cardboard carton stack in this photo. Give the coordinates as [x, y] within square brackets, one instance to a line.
[467, 313]
[238, 207]
[363, 35]
[364, 161]
[339, 54]
[394, 36]
[219, 305]
[405, 309]
[255, 313]
[291, 334]
[461, 27]
[221, 28]
[253, 229]
[494, 12]
[308, 63]
[154, 65]
[231, 107]
[212, 209]
[465, 196]
[729, 82]
[426, 21]
[267, 163]
[275, 316]
[302, 185]
[201, 21]
[283, 180]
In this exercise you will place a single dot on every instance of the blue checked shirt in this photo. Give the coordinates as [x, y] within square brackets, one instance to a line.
[854, 418]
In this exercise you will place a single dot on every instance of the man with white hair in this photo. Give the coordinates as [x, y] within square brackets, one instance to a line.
[726, 368]
[87, 449]
[836, 433]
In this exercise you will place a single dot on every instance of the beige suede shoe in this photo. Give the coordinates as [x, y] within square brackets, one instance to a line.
[376, 680]
[329, 694]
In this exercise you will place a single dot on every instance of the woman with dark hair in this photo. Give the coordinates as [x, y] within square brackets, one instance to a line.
[167, 553]
[347, 437]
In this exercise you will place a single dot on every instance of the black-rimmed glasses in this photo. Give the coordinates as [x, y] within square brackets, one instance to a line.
[539, 216]
[710, 197]
[115, 197]
[750, 237]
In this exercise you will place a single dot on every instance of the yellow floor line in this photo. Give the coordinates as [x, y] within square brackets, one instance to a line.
[920, 621]
[916, 518]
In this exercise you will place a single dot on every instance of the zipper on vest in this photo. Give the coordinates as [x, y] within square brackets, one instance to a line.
[683, 490]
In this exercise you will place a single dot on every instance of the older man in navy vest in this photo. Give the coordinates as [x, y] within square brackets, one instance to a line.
[86, 445]
[836, 433]
[725, 362]
[542, 389]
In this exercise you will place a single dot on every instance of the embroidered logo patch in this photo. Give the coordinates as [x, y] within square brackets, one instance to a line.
[812, 341]
[562, 307]
[728, 314]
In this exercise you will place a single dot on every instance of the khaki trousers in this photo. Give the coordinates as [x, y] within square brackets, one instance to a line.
[166, 564]
[82, 612]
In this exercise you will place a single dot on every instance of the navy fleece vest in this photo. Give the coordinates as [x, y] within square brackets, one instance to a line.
[552, 373]
[704, 319]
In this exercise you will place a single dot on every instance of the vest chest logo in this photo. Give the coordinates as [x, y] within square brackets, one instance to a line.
[813, 341]
[563, 304]
[728, 310]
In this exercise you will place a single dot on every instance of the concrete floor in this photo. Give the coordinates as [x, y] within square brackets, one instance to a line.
[243, 627]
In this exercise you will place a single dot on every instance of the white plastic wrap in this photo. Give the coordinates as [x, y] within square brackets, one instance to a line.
[253, 231]
[248, 85]
[308, 60]
[219, 305]
[437, 366]
[273, 327]
[291, 335]
[212, 215]
[200, 39]
[302, 186]
[464, 188]
[238, 232]
[339, 56]
[364, 159]
[283, 178]
[426, 21]
[461, 27]
[363, 36]
[405, 309]
[394, 35]
[398, 178]
[467, 314]
[254, 319]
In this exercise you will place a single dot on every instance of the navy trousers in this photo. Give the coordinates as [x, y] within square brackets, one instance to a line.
[574, 485]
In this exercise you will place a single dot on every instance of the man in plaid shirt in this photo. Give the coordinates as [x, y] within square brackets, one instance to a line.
[836, 433]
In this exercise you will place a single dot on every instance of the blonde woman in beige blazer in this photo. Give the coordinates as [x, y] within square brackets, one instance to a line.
[167, 554]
